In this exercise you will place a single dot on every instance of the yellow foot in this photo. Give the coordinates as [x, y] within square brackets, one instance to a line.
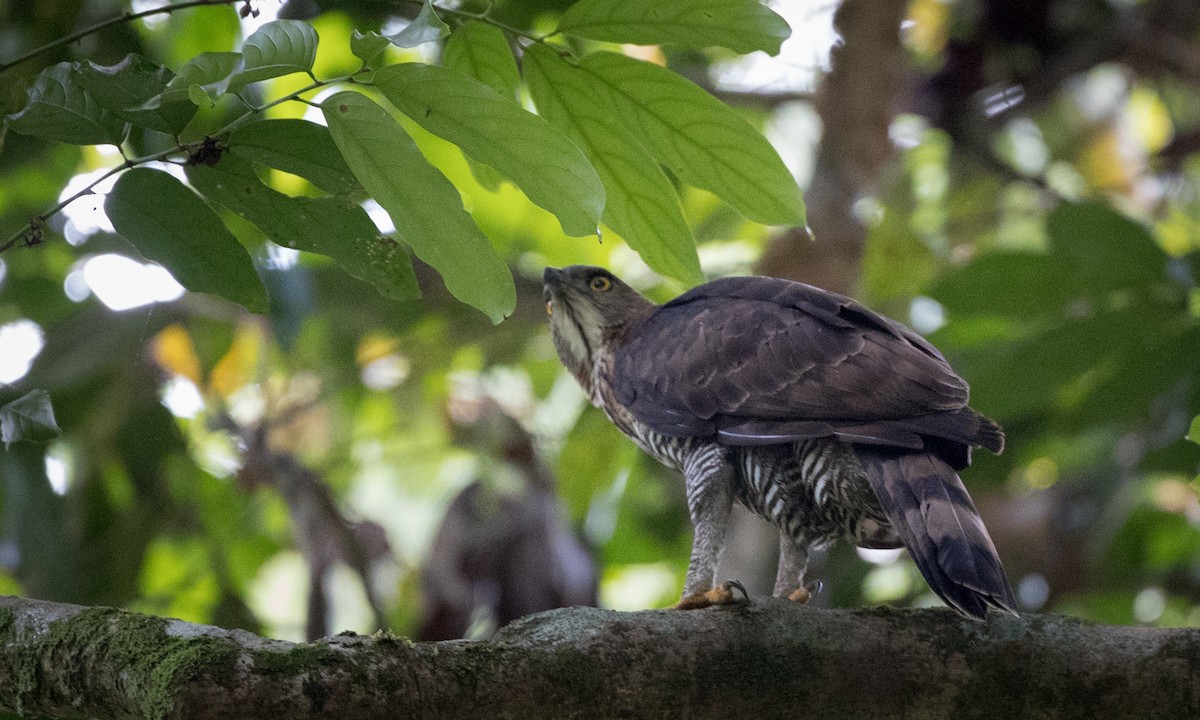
[805, 593]
[720, 595]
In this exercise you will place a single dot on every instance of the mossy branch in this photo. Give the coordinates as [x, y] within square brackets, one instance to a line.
[768, 658]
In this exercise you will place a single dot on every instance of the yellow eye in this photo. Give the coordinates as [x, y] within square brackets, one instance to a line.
[601, 284]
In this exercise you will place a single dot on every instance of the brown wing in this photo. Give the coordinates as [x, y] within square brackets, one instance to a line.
[760, 360]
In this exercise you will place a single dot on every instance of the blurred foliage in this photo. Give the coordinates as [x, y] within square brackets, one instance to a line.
[1048, 240]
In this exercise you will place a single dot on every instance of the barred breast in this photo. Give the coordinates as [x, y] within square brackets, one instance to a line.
[814, 490]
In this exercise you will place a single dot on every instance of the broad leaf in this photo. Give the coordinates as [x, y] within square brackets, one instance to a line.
[702, 140]
[168, 224]
[203, 78]
[369, 46]
[641, 204]
[540, 159]
[482, 52]
[1099, 250]
[280, 47]
[425, 207]
[59, 109]
[29, 417]
[740, 25]
[123, 89]
[425, 27]
[1194, 431]
[329, 226]
[298, 147]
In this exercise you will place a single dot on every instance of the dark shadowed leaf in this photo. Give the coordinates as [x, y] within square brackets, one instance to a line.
[641, 204]
[425, 207]
[298, 147]
[482, 52]
[1098, 249]
[30, 418]
[168, 224]
[425, 27]
[531, 152]
[280, 47]
[330, 226]
[702, 140]
[59, 109]
[740, 25]
[123, 89]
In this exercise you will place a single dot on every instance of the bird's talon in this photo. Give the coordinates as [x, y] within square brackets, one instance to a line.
[720, 595]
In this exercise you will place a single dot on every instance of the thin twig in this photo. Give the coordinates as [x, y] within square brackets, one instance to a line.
[181, 148]
[122, 18]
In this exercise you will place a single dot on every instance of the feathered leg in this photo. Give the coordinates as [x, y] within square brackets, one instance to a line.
[707, 477]
[793, 561]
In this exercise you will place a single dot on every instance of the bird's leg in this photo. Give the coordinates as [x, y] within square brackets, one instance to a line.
[793, 560]
[710, 498]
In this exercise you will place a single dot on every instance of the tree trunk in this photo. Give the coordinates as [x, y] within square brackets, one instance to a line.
[766, 658]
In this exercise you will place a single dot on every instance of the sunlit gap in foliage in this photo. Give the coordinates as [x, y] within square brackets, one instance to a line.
[121, 283]
[926, 314]
[60, 467]
[182, 397]
[1033, 591]
[800, 61]
[20, 343]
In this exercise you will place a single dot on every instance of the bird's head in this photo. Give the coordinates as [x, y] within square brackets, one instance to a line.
[588, 308]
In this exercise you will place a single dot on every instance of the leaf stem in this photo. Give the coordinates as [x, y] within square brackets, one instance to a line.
[122, 18]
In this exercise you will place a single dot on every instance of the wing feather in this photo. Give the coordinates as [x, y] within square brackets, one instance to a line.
[761, 360]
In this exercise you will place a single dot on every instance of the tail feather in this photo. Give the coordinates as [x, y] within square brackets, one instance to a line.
[935, 518]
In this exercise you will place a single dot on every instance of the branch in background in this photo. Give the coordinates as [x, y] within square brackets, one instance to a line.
[100, 27]
[755, 660]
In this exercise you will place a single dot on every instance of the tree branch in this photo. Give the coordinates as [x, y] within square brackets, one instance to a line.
[769, 658]
[122, 18]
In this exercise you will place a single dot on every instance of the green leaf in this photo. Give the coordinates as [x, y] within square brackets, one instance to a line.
[59, 109]
[425, 27]
[425, 207]
[298, 147]
[740, 25]
[702, 140]
[535, 155]
[1097, 249]
[482, 52]
[369, 46]
[205, 76]
[281, 47]
[168, 224]
[1194, 431]
[29, 417]
[329, 226]
[642, 206]
[123, 89]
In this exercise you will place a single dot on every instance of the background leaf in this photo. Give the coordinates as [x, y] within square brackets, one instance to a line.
[29, 417]
[702, 140]
[168, 224]
[482, 52]
[369, 46]
[299, 147]
[740, 25]
[210, 72]
[425, 27]
[425, 207]
[280, 47]
[488, 128]
[641, 205]
[329, 226]
[59, 109]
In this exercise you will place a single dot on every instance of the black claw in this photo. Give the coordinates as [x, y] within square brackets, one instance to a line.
[815, 587]
[730, 584]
